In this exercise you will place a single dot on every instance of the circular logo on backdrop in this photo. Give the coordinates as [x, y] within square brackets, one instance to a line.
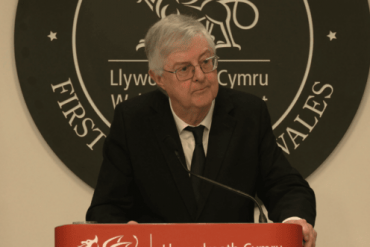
[309, 61]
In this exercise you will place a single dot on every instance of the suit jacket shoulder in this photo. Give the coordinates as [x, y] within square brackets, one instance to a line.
[144, 103]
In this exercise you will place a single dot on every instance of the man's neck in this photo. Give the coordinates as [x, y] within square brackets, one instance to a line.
[192, 116]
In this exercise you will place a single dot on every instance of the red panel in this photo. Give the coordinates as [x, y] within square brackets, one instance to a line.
[179, 235]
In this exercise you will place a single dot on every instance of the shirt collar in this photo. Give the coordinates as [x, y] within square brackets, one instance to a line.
[207, 121]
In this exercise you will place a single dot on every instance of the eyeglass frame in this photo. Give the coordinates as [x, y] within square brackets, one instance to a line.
[214, 68]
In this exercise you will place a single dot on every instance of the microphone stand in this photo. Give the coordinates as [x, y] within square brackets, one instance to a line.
[262, 217]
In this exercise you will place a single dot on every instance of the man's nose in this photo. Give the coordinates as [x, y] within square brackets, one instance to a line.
[198, 74]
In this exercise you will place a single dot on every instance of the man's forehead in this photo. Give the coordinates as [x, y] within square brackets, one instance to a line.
[186, 56]
[183, 43]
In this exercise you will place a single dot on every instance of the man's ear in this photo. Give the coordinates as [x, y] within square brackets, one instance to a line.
[157, 79]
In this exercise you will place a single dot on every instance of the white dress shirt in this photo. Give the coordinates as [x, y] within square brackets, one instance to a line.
[187, 137]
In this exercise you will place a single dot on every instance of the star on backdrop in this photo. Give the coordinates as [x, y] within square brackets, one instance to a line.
[332, 36]
[52, 36]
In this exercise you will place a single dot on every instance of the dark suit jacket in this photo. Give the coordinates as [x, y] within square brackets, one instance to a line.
[141, 179]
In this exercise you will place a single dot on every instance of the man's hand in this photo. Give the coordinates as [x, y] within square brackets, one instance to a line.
[309, 234]
[131, 222]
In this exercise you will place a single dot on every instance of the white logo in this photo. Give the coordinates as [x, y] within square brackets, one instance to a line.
[221, 20]
[89, 242]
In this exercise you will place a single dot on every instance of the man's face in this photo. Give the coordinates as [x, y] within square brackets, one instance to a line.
[194, 93]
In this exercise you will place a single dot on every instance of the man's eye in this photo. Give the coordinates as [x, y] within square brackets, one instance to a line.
[206, 61]
[183, 69]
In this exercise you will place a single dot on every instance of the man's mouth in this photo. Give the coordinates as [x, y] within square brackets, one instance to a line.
[200, 90]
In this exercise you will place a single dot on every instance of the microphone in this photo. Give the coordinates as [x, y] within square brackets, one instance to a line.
[172, 146]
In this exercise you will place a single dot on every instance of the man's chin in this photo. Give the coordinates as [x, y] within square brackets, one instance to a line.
[203, 102]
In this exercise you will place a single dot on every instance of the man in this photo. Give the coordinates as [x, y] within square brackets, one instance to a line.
[223, 134]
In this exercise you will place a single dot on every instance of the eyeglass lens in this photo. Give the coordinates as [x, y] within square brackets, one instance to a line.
[187, 72]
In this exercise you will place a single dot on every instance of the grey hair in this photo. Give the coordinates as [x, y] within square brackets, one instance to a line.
[173, 33]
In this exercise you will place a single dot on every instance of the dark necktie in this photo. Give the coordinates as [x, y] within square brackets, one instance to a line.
[199, 158]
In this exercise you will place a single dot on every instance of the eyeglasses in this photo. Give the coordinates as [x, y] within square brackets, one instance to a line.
[185, 73]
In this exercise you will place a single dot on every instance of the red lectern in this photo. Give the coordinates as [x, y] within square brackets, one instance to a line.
[179, 235]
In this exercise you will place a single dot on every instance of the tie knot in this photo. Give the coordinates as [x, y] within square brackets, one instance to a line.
[197, 132]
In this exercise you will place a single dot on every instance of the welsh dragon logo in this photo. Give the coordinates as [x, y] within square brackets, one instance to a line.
[112, 242]
[204, 7]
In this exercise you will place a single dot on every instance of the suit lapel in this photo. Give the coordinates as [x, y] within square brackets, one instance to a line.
[219, 138]
[164, 127]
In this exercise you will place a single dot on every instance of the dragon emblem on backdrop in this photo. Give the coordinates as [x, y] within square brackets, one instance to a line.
[206, 11]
